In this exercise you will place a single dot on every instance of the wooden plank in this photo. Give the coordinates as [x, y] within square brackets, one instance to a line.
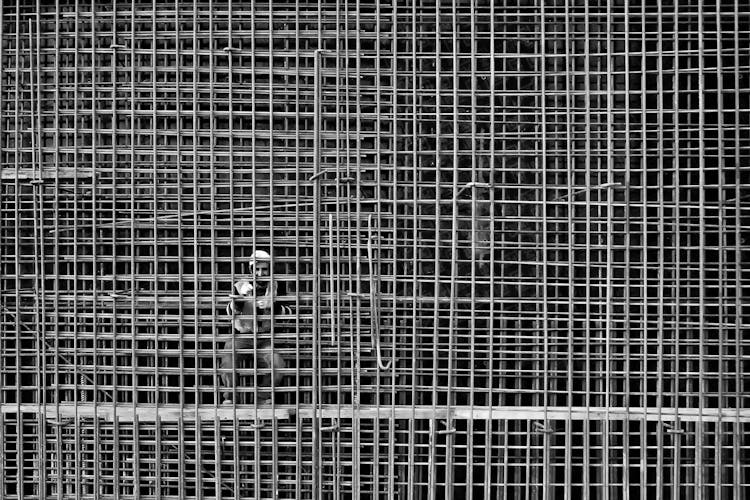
[27, 173]
[126, 413]
[169, 413]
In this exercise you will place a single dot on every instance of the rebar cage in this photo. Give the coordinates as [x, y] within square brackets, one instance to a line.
[510, 238]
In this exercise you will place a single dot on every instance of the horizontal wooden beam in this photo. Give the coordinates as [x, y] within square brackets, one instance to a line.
[167, 413]
[26, 173]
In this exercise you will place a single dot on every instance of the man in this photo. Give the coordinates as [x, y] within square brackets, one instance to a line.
[252, 308]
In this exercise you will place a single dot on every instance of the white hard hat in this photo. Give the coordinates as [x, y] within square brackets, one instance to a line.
[259, 255]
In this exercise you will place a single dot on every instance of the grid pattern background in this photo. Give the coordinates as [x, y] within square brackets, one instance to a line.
[513, 237]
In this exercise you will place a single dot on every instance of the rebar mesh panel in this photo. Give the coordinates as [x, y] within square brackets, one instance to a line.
[511, 240]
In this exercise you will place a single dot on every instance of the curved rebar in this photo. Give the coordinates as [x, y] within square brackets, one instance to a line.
[375, 299]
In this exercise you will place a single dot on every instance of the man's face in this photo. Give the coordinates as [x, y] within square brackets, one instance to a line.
[261, 268]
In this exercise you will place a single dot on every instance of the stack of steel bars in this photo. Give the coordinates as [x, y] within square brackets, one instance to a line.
[512, 240]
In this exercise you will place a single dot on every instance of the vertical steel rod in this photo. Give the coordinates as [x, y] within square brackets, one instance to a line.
[316, 379]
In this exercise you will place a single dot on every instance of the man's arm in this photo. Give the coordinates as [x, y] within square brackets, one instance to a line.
[242, 294]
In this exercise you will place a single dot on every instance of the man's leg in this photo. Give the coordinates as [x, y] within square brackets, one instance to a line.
[230, 360]
[270, 365]
[264, 358]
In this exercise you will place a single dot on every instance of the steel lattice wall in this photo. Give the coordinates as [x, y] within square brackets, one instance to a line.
[513, 237]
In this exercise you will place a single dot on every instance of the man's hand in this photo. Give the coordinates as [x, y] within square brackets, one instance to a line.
[264, 303]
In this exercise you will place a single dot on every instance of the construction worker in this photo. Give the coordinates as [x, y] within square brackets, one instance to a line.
[252, 307]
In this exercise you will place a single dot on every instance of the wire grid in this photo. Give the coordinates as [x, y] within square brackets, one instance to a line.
[512, 238]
